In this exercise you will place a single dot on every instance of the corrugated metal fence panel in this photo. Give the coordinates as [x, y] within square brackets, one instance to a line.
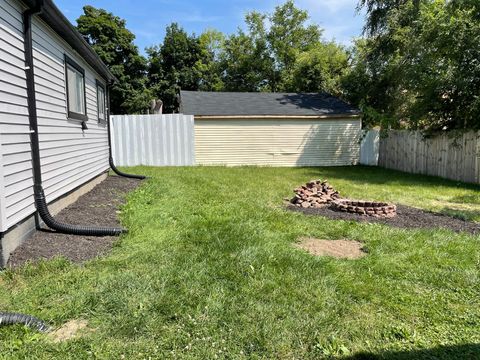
[277, 142]
[453, 156]
[369, 147]
[154, 140]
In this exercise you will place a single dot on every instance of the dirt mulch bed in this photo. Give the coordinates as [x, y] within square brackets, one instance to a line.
[340, 249]
[407, 217]
[97, 208]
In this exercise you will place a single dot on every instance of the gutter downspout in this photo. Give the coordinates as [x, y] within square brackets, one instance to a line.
[110, 156]
[40, 200]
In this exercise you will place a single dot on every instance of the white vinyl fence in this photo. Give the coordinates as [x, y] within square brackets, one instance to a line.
[369, 147]
[155, 140]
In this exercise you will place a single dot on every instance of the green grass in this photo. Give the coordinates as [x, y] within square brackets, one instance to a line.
[208, 271]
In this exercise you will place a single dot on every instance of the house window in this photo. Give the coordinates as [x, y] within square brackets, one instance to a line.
[101, 108]
[75, 78]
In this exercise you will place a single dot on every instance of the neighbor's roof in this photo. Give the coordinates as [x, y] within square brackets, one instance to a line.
[60, 24]
[262, 104]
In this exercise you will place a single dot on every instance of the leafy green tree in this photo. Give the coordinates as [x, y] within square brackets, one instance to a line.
[282, 52]
[319, 69]
[246, 61]
[370, 84]
[380, 14]
[209, 65]
[289, 35]
[443, 66]
[182, 61]
[419, 63]
[113, 42]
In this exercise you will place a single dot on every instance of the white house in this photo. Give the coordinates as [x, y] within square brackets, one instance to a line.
[53, 117]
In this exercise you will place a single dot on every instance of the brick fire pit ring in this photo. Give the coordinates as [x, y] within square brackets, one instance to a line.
[368, 208]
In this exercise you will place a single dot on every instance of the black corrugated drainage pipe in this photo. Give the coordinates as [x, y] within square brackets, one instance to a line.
[40, 201]
[32, 322]
[110, 156]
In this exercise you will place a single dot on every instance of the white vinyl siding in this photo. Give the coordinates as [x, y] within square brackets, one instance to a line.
[16, 201]
[277, 142]
[69, 156]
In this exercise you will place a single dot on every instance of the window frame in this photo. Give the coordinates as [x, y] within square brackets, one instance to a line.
[71, 114]
[101, 86]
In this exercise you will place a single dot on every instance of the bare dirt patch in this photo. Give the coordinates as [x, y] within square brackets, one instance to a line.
[97, 208]
[407, 217]
[69, 330]
[340, 249]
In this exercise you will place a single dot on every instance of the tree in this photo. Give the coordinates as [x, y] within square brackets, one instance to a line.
[282, 52]
[181, 62]
[366, 87]
[420, 59]
[381, 12]
[289, 36]
[113, 42]
[211, 44]
[443, 66]
[319, 69]
[246, 61]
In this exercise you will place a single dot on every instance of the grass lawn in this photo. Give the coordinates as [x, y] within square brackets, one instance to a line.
[208, 271]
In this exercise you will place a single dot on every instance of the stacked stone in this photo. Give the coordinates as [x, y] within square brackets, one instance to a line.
[314, 194]
[370, 208]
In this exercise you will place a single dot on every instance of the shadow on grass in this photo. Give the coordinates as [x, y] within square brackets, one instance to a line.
[358, 174]
[377, 175]
[471, 199]
[457, 352]
[466, 215]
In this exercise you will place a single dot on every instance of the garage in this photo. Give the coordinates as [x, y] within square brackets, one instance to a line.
[273, 129]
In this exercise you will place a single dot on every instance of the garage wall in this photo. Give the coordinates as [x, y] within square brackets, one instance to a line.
[277, 142]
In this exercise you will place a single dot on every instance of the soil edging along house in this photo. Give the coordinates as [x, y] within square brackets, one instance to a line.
[54, 133]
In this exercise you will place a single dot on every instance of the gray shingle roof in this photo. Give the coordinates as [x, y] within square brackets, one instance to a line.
[249, 103]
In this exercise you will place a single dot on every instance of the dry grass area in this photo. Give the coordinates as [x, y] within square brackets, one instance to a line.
[340, 249]
[70, 330]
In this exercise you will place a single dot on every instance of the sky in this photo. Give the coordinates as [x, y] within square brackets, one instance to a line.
[147, 19]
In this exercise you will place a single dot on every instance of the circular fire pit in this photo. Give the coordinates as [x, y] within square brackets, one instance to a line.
[369, 208]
